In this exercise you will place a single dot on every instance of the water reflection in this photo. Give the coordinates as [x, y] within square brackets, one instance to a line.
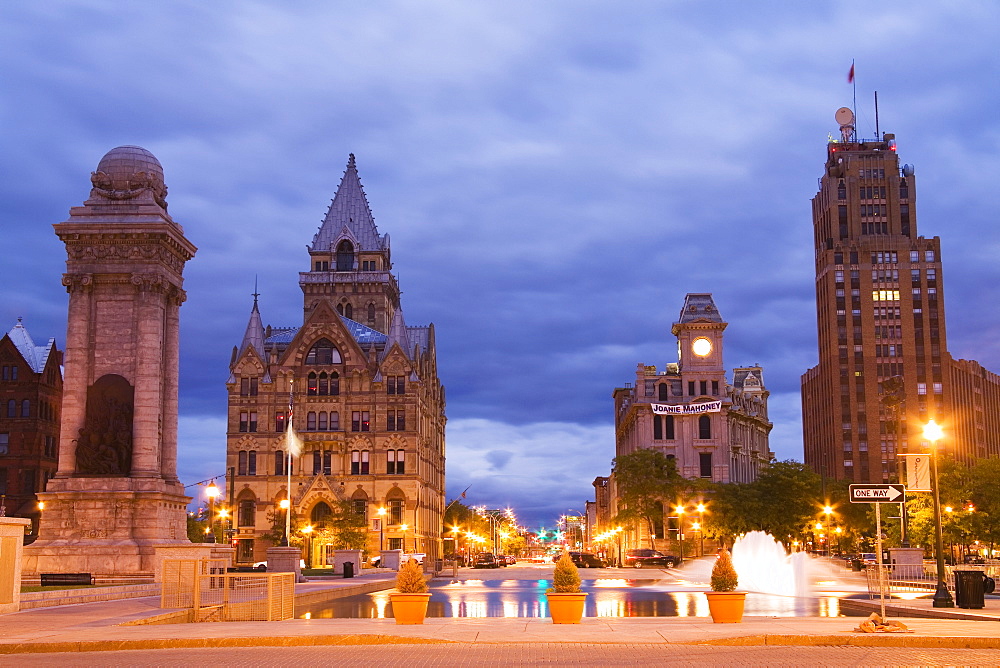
[526, 598]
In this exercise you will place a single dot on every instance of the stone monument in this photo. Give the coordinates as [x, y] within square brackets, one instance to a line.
[115, 505]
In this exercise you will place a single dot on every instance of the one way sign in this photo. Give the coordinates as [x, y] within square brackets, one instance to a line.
[878, 493]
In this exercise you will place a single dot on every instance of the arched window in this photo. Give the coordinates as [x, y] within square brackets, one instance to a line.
[704, 427]
[657, 427]
[334, 421]
[247, 510]
[279, 463]
[348, 311]
[663, 392]
[311, 421]
[12, 408]
[321, 514]
[371, 314]
[334, 383]
[395, 511]
[252, 462]
[322, 420]
[345, 256]
[359, 462]
[25, 408]
[324, 384]
[340, 309]
[242, 463]
[317, 462]
[312, 389]
[323, 352]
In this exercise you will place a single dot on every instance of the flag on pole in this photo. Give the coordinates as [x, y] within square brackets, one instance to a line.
[293, 444]
[850, 74]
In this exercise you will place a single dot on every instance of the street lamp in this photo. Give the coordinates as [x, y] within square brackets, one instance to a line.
[285, 505]
[680, 531]
[403, 528]
[701, 534]
[211, 492]
[942, 597]
[381, 528]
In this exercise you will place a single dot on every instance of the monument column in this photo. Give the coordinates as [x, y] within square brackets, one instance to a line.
[116, 507]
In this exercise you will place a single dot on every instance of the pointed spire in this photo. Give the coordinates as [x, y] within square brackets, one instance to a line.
[254, 335]
[397, 334]
[349, 216]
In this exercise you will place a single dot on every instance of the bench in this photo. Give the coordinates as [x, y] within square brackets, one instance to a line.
[59, 579]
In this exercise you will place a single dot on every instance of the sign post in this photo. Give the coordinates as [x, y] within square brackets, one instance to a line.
[879, 494]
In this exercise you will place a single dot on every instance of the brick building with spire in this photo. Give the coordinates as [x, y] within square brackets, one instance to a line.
[367, 402]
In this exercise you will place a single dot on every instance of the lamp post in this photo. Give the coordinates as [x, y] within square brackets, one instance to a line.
[285, 505]
[701, 532]
[403, 528]
[942, 597]
[211, 492]
[381, 528]
[680, 531]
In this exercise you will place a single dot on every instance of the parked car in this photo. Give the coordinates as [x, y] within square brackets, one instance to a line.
[587, 560]
[511, 560]
[503, 560]
[485, 560]
[869, 558]
[642, 557]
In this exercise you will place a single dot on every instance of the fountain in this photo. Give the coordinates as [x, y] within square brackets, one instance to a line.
[764, 566]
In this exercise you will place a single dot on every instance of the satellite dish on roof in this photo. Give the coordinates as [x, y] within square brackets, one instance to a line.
[844, 116]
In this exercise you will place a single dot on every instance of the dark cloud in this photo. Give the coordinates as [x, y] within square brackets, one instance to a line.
[554, 177]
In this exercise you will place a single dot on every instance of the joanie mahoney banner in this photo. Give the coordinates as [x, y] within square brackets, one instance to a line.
[687, 409]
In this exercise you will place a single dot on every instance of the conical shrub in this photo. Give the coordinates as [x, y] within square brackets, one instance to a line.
[566, 579]
[724, 576]
[410, 578]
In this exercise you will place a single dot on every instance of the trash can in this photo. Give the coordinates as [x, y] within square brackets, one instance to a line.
[970, 587]
[349, 569]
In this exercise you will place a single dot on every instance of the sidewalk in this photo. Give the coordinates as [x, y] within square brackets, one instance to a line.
[97, 627]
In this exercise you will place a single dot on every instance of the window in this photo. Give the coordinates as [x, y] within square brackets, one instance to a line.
[334, 421]
[252, 462]
[244, 550]
[4, 444]
[360, 508]
[705, 464]
[938, 388]
[838, 276]
[248, 421]
[279, 463]
[25, 408]
[395, 385]
[246, 513]
[317, 458]
[12, 408]
[327, 462]
[371, 314]
[395, 511]
[395, 462]
[323, 352]
[348, 311]
[715, 388]
[691, 388]
[280, 421]
[311, 421]
[395, 421]
[668, 432]
[704, 427]
[931, 274]
[360, 421]
[663, 396]
[248, 387]
[359, 462]
[345, 256]
[704, 387]
[928, 256]
[657, 427]
[242, 465]
[322, 421]
[921, 388]
[13, 372]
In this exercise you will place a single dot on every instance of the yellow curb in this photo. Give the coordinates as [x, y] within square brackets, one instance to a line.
[201, 643]
[859, 640]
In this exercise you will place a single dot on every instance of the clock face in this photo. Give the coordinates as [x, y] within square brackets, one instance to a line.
[701, 346]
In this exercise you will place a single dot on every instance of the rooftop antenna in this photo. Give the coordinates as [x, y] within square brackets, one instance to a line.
[854, 84]
[877, 135]
[845, 117]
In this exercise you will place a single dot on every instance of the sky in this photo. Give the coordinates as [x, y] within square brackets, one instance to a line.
[555, 177]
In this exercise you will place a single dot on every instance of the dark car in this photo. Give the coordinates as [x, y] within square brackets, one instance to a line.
[586, 560]
[485, 560]
[642, 557]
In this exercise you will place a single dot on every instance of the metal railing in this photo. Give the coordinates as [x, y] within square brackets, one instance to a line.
[917, 578]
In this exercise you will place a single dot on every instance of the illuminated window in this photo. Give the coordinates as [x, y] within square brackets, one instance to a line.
[395, 511]
[360, 421]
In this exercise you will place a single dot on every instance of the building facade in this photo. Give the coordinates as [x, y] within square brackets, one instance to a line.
[712, 429]
[884, 369]
[366, 402]
[30, 401]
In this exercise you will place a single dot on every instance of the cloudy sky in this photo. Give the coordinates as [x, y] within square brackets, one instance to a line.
[555, 176]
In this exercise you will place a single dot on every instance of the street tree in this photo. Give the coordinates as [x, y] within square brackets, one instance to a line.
[646, 480]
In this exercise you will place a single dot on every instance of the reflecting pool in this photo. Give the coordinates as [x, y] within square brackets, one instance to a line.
[610, 597]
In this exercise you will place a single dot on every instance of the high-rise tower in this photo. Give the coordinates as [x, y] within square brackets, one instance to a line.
[880, 314]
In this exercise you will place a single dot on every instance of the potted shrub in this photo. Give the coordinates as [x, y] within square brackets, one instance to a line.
[409, 601]
[725, 604]
[564, 596]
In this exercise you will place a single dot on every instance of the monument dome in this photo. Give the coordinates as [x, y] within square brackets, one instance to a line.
[126, 172]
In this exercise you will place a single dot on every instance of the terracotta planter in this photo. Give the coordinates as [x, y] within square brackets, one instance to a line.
[726, 606]
[409, 608]
[566, 608]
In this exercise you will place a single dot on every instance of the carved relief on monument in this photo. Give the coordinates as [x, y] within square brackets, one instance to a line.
[94, 248]
[77, 282]
[113, 187]
[105, 443]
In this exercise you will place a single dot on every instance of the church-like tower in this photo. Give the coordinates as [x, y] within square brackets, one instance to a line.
[115, 505]
[368, 405]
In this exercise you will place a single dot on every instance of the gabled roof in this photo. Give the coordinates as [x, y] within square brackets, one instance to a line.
[349, 216]
[282, 336]
[397, 335]
[35, 356]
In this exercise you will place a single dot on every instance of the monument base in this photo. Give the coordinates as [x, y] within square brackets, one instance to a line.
[111, 526]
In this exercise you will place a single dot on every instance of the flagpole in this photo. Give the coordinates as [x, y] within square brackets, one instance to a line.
[288, 465]
[854, 84]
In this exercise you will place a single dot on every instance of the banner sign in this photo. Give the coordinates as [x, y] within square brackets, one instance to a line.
[687, 409]
[918, 472]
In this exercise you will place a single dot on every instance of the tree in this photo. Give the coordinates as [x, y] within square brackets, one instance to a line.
[646, 479]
